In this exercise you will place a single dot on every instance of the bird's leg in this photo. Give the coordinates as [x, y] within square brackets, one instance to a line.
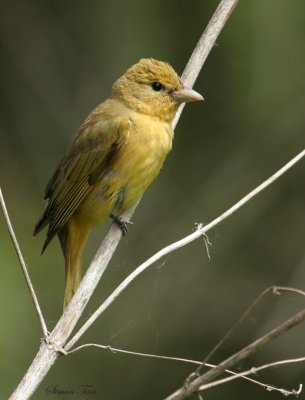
[121, 223]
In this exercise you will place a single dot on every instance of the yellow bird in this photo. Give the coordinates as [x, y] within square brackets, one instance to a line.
[117, 153]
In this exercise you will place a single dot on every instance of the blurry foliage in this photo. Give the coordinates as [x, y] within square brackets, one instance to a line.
[59, 59]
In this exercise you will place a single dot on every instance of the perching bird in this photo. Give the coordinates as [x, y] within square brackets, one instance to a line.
[118, 151]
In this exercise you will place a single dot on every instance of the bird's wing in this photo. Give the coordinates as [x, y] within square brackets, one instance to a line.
[89, 158]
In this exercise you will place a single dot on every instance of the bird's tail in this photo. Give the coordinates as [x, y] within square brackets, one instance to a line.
[73, 238]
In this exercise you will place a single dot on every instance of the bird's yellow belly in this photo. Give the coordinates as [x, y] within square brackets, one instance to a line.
[137, 178]
[142, 161]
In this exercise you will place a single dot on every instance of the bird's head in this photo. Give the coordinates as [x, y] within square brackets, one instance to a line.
[153, 87]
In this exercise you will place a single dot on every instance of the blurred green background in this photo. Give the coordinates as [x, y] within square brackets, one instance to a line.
[59, 59]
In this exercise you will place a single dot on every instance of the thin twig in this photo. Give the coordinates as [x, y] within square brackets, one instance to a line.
[235, 375]
[177, 245]
[23, 266]
[278, 289]
[195, 385]
[206, 240]
[271, 289]
[255, 370]
[205, 45]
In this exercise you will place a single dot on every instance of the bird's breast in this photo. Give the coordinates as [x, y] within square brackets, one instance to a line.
[142, 156]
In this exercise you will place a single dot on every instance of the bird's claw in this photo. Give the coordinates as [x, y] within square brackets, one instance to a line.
[121, 223]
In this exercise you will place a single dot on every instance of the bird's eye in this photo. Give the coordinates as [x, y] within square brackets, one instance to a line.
[157, 86]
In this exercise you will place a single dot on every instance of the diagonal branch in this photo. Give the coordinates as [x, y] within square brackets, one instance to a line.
[272, 289]
[198, 384]
[205, 45]
[23, 265]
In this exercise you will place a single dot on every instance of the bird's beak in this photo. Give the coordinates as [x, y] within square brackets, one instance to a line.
[186, 95]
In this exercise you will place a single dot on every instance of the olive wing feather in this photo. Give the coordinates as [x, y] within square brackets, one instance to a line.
[89, 158]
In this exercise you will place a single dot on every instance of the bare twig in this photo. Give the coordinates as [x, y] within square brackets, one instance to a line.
[23, 265]
[255, 370]
[177, 245]
[47, 354]
[234, 375]
[278, 289]
[206, 240]
[271, 289]
[147, 355]
[205, 45]
[195, 385]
